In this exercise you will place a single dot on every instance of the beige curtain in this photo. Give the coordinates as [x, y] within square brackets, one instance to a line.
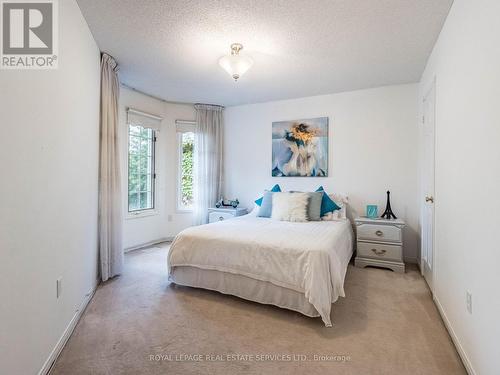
[208, 159]
[110, 203]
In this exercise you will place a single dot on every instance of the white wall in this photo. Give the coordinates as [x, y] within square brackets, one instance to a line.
[466, 64]
[48, 195]
[142, 230]
[373, 148]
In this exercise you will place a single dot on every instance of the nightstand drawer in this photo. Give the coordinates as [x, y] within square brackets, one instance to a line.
[380, 251]
[374, 232]
[219, 216]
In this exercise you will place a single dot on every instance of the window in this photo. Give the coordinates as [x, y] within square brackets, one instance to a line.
[141, 168]
[186, 161]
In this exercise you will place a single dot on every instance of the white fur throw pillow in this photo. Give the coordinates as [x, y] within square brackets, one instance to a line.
[290, 206]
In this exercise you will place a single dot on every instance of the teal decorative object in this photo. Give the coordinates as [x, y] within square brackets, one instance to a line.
[371, 211]
[327, 204]
[275, 189]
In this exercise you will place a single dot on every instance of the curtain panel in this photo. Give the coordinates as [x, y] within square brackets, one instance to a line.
[208, 159]
[110, 201]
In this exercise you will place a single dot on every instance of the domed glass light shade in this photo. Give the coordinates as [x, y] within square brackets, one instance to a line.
[235, 64]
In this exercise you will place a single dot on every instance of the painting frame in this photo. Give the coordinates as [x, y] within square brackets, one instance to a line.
[300, 148]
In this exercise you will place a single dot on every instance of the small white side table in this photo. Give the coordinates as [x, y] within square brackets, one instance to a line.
[379, 243]
[220, 214]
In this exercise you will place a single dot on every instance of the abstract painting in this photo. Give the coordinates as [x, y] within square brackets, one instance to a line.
[300, 148]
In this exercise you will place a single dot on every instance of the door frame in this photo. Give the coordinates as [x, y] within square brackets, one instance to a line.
[432, 85]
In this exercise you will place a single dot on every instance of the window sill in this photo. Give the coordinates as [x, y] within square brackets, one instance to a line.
[140, 214]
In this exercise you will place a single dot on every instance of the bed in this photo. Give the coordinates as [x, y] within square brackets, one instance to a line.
[297, 266]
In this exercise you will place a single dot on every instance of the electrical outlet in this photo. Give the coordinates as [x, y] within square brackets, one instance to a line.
[169, 218]
[468, 301]
[58, 287]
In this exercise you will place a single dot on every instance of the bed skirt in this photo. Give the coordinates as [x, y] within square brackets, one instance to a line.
[244, 287]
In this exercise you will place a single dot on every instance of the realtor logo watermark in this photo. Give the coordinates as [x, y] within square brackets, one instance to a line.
[29, 34]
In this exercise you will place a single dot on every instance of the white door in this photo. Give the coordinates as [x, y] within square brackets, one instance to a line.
[427, 199]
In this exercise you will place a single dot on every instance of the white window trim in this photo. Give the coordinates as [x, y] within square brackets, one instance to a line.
[182, 126]
[141, 213]
[149, 211]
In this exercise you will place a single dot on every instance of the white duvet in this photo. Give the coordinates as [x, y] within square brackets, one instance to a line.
[310, 257]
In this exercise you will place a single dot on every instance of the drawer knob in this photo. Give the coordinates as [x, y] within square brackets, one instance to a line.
[221, 218]
[379, 252]
[379, 233]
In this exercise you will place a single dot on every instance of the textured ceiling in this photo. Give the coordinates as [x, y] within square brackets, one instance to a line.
[170, 49]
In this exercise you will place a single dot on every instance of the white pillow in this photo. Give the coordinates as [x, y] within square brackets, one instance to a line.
[341, 201]
[332, 216]
[290, 206]
[339, 198]
[255, 210]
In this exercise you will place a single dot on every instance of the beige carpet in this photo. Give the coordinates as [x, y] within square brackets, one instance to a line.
[387, 325]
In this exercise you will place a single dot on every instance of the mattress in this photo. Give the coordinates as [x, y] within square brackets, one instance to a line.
[308, 258]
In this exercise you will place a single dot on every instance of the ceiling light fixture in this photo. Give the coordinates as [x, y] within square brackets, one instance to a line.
[235, 64]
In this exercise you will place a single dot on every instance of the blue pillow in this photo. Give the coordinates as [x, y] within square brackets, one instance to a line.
[266, 207]
[327, 204]
[276, 189]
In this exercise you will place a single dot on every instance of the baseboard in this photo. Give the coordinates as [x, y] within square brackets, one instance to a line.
[454, 338]
[148, 244]
[47, 366]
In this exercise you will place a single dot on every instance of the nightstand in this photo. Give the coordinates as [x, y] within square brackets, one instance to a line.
[380, 243]
[220, 214]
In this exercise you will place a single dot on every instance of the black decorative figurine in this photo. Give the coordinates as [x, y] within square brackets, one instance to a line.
[388, 211]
